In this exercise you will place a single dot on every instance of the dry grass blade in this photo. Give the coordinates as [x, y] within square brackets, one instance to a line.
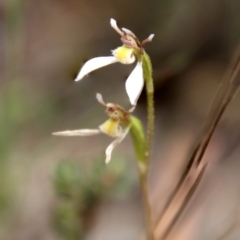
[196, 167]
[229, 231]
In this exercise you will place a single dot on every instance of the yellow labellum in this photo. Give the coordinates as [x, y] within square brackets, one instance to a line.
[124, 55]
[111, 128]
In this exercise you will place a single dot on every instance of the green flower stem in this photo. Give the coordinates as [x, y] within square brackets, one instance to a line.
[143, 147]
[139, 143]
[147, 72]
[147, 204]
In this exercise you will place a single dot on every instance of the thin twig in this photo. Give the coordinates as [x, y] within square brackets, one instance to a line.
[195, 168]
[186, 200]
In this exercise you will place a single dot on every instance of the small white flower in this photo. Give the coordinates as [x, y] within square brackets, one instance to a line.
[125, 54]
[112, 127]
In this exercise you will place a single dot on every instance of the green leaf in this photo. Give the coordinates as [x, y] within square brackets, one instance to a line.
[138, 139]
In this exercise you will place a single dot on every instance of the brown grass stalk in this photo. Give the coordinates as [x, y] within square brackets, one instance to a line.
[196, 167]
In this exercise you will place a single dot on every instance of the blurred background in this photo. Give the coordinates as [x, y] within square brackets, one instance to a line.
[59, 188]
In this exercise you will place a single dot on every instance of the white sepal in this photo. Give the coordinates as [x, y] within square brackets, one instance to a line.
[150, 38]
[100, 99]
[114, 25]
[134, 83]
[129, 32]
[94, 64]
[81, 132]
[114, 144]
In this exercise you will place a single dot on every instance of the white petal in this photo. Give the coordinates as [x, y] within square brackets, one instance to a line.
[134, 83]
[147, 40]
[131, 109]
[150, 37]
[94, 64]
[114, 144]
[100, 99]
[81, 132]
[114, 25]
[128, 32]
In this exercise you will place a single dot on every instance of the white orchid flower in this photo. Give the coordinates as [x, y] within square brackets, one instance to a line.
[117, 126]
[125, 54]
